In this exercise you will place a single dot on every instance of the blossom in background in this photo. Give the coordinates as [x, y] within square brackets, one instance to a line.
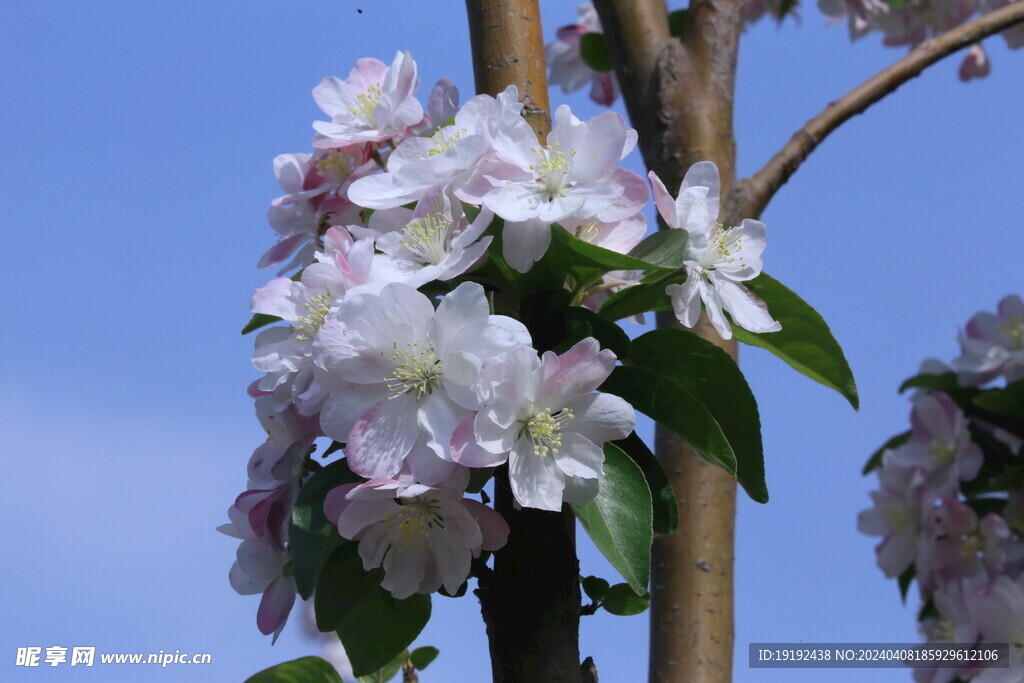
[913, 22]
[401, 375]
[992, 345]
[896, 516]
[424, 536]
[568, 70]
[940, 444]
[374, 103]
[717, 259]
[541, 415]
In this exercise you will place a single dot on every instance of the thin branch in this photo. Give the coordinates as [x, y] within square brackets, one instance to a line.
[754, 193]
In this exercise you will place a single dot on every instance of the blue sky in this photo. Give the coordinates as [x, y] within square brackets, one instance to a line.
[139, 139]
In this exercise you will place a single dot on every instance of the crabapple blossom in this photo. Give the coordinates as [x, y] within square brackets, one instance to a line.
[567, 67]
[717, 259]
[315, 186]
[940, 443]
[435, 241]
[284, 353]
[913, 22]
[374, 103]
[993, 344]
[424, 536]
[449, 157]
[575, 174]
[541, 415]
[260, 568]
[401, 375]
[896, 515]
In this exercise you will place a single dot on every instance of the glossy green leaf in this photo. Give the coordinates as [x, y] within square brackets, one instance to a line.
[582, 323]
[422, 656]
[575, 253]
[639, 299]
[373, 626]
[259, 320]
[663, 498]
[675, 408]
[595, 587]
[388, 671]
[622, 601]
[805, 342]
[310, 533]
[302, 670]
[663, 248]
[619, 520]
[594, 51]
[710, 375]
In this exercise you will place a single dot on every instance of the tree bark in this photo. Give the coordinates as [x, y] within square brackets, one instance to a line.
[531, 599]
[679, 93]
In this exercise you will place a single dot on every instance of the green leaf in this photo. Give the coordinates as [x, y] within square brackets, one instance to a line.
[478, 478]
[639, 299]
[302, 670]
[422, 656]
[663, 498]
[595, 587]
[582, 261]
[594, 51]
[555, 325]
[1003, 407]
[259, 320]
[675, 408]
[309, 532]
[713, 378]
[785, 7]
[622, 601]
[945, 381]
[905, 579]
[664, 248]
[678, 21]
[805, 343]
[875, 460]
[583, 322]
[373, 626]
[386, 672]
[619, 519]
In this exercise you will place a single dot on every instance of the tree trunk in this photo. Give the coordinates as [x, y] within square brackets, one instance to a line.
[531, 599]
[679, 94]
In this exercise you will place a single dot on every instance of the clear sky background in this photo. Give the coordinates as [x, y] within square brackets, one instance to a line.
[139, 138]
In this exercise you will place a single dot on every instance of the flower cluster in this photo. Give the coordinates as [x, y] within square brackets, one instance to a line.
[387, 343]
[950, 509]
[914, 21]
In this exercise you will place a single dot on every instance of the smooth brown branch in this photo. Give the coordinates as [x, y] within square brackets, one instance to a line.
[508, 49]
[754, 193]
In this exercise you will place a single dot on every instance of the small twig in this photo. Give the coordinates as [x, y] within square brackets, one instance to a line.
[409, 674]
[754, 193]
